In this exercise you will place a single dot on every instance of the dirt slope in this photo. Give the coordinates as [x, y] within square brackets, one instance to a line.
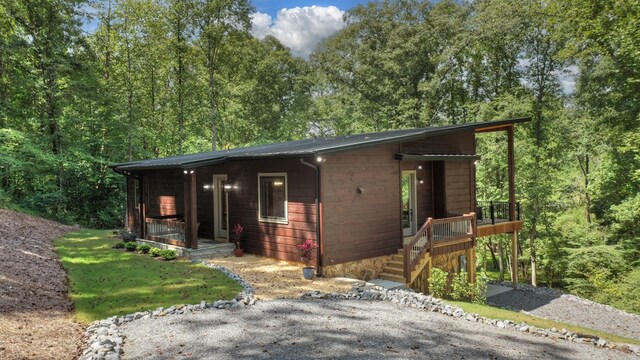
[35, 312]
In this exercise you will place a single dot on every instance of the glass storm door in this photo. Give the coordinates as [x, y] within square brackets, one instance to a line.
[408, 203]
[220, 207]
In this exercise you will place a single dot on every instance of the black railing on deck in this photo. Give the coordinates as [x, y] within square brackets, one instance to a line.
[493, 212]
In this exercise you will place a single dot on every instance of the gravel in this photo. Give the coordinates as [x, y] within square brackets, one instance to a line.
[310, 328]
[555, 305]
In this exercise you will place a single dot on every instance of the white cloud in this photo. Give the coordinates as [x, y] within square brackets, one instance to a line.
[299, 28]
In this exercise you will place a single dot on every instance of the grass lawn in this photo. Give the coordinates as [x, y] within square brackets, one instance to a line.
[106, 282]
[518, 317]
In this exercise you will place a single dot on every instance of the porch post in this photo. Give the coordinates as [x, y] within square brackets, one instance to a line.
[144, 185]
[512, 205]
[512, 174]
[514, 259]
[190, 209]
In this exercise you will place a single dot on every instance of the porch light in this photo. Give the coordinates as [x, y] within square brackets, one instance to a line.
[320, 159]
[186, 172]
[228, 187]
[207, 187]
[419, 167]
[420, 181]
[191, 172]
[277, 183]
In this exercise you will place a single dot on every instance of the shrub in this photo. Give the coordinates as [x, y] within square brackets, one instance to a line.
[460, 290]
[155, 252]
[130, 245]
[438, 283]
[169, 254]
[128, 236]
[144, 248]
[119, 245]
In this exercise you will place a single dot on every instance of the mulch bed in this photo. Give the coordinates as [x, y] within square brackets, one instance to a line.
[35, 310]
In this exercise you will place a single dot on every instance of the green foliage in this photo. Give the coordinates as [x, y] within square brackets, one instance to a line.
[155, 252]
[130, 245]
[168, 254]
[127, 236]
[143, 248]
[438, 283]
[105, 283]
[458, 288]
[119, 245]
[592, 268]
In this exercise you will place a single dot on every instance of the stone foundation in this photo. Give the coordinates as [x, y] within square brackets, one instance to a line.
[365, 269]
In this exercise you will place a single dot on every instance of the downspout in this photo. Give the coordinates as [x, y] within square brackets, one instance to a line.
[318, 257]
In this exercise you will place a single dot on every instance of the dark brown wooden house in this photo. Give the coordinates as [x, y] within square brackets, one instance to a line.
[382, 204]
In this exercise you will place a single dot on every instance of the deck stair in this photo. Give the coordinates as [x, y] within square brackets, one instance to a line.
[416, 254]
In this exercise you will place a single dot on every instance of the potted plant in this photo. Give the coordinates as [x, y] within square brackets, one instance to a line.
[238, 234]
[307, 250]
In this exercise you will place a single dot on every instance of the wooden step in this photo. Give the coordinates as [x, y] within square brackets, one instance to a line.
[393, 270]
[391, 277]
[397, 257]
[396, 264]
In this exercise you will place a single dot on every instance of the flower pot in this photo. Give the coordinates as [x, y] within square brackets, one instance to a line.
[308, 273]
[238, 252]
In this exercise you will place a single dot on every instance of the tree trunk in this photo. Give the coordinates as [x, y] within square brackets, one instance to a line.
[129, 88]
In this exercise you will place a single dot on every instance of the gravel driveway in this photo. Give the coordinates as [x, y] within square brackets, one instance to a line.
[569, 309]
[302, 329]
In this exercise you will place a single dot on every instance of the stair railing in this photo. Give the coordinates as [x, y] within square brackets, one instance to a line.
[436, 231]
[415, 249]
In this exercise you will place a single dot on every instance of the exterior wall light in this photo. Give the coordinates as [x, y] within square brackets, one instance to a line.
[419, 167]
[186, 172]
[420, 181]
[320, 159]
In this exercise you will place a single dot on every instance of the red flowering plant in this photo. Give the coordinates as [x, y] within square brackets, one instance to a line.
[306, 250]
[238, 234]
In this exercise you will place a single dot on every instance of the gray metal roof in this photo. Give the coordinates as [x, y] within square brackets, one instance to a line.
[314, 147]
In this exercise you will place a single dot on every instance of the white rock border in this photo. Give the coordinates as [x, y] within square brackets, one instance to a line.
[103, 337]
[369, 292]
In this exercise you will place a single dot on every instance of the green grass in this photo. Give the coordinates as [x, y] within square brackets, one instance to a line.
[518, 317]
[106, 282]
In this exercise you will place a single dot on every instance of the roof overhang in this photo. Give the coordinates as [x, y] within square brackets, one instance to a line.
[436, 157]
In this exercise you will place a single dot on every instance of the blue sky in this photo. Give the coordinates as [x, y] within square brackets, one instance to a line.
[272, 7]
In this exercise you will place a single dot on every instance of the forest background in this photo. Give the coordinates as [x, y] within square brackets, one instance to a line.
[166, 77]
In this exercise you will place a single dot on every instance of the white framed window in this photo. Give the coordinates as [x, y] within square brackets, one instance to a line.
[272, 197]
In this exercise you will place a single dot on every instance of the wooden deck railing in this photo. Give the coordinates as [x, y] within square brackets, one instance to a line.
[165, 229]
[437, 232]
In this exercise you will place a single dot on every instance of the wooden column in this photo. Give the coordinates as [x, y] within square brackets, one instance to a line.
[471, 264]
[129, 216]
[512, 205]
[514, 259]
[190, 209]
[144, 185]
[512, 174]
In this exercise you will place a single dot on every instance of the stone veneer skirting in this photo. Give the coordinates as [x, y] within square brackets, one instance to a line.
[365, 269]
[210, 251]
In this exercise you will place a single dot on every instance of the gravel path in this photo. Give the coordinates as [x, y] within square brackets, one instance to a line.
[570, 309]
[302, 329]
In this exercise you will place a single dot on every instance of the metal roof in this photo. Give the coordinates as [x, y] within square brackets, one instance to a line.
[314, 147]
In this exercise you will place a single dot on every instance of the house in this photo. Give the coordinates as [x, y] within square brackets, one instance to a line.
[387, 204]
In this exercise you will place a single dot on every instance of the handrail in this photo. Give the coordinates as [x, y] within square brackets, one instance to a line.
[414, 250]
[435, 231]
[170, 229]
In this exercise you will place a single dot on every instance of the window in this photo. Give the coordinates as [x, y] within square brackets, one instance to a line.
[272, 197]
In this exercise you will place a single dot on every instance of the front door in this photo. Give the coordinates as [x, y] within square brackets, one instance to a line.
[409, 216]
[220, 207]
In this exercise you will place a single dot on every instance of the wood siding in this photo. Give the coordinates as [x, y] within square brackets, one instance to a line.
[263, 238]
[361, 225]
[164, 193]
[459, 188]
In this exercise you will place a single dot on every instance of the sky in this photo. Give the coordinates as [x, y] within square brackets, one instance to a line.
[299, 24]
